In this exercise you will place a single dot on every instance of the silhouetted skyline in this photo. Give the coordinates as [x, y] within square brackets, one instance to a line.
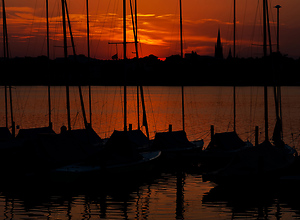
[194, 70]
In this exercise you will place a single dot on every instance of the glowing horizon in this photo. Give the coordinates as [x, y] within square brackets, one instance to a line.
[158, 27]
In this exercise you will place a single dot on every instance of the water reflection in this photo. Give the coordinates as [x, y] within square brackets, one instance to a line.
[263, 201]
[176, 194]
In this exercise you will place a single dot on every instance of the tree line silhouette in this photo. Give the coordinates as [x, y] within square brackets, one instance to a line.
[173, 71]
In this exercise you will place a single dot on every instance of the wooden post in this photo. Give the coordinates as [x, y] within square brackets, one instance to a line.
[170, 128]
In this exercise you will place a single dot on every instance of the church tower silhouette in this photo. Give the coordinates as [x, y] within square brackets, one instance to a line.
[219, 47]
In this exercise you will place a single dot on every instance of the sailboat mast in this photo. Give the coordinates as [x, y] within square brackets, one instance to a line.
[264, 29]
[6, 55]
[277, 46]
[234, 108]
[234, 26]
[181, 54]
[6, 106]
[145, 122]
[134, 26]
[124, 29]
[182, 108]
[234, 87]
[5, 37]
[13, 131]
[88, 28]
[74, 53]
[89, 56]
[181, 43]
[268, 24]
[66, 59]
[64, 28]
[266, 113]
[47, 20]
[48, 56]
[265, 54]
[124, 51]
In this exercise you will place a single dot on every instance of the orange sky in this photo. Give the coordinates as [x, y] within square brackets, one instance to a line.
[158, 23]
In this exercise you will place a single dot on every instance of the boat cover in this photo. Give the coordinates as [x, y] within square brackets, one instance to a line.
[124, 145]
[171, 140]
[226, 141]
[86, 136]
[53, 150]
[61, 149]
[260, 159]
[32, 133]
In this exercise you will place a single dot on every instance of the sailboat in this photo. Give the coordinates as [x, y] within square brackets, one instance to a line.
[32, 133]
[137, 138]
[174, 144]
[46, 150]
[10, 148]
[118, 155]
[225, 145]
[75, 145]
[5, 134]
[264, 161]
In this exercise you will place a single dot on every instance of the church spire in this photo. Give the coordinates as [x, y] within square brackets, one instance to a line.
[219, 47]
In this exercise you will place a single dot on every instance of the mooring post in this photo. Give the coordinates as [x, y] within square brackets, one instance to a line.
[170, 128]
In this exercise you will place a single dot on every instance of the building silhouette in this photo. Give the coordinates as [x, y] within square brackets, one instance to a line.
[219, 47]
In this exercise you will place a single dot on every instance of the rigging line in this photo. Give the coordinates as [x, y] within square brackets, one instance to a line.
[44, 38]
[31, 27]
[229, 34]
[271, 14]
[171, 96]
[104, 106]
[254, 106]
[141, 52]
[113, 20]
[75, 119]
[254, 25]
[98, 42]
[151, 106]
[195, 106]
[289, 111]
[171, 39]
[243, 26]
[22, 115]
[112, 106]
[218, 104]
[159, 100]
[56, 26]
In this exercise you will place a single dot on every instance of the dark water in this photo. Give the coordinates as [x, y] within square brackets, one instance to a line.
[164, 194]
[160, 195]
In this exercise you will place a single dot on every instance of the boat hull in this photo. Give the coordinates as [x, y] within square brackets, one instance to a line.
[84, 171]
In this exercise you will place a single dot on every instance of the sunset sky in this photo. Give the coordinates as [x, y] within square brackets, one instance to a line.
[158, 27]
